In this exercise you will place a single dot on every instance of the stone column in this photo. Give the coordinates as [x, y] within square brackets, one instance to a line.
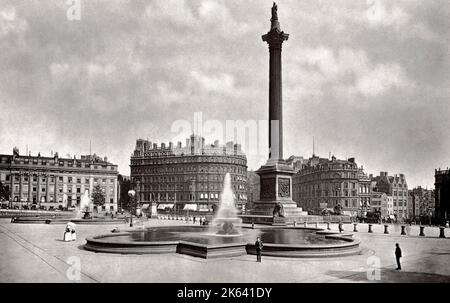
[11, 187]
[30, 188]
[275, 38]
[20, 187]
[115, 191]
[47, 187]
[38, 189]
[55, 194]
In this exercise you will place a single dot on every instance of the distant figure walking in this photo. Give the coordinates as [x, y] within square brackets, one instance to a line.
[258, 246]
[398, 255]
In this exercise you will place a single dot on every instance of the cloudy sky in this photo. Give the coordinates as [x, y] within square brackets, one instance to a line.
[368, 79]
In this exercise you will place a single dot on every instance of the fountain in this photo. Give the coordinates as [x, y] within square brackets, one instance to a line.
[226, 238]
[84, 206]
[224, 222]
[82, 216]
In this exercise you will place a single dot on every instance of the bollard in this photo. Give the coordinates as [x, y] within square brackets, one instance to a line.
[422, 233]
[370, 228]
[305, 225]
[403, 230]
[341, 227]
[354, 227]
[328, 226]
[442, 232]
[386, 231]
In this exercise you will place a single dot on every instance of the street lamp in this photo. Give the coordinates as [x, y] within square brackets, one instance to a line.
[132, 195]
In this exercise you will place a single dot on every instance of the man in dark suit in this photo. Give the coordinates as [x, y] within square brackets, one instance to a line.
[258, 247]
[398, 255]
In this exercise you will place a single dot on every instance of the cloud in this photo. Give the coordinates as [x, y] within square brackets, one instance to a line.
[10, 22]
[176, 12]
[380, 79]
[349, 70]
[377, 14]
[128, 69]
[220, 83]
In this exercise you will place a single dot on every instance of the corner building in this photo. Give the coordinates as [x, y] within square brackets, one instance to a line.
[187, 178]
[323, 183]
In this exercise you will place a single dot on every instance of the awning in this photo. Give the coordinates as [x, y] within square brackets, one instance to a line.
[204, 207]
[190, 207]
[164, 206]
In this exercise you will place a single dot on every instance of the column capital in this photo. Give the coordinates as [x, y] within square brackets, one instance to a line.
[275, 38]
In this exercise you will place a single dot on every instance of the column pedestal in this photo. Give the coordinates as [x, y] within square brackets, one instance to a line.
[276, 205]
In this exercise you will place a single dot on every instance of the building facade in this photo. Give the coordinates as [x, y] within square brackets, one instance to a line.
[421, 202]
[57, 183]
[324, 183]
[382, 203]
[442, 195]
[187, 178]
[396, 187]
[253, 188]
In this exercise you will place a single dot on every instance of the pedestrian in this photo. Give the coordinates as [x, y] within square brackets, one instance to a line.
[258, 246]
[193, 220]
[398, 255]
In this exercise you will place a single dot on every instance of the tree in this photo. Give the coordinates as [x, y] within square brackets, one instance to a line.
[98, 197]
[4, 192]
[125, 186]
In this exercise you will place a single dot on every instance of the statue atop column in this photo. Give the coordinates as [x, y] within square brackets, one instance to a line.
[274, 12]
[274, 24]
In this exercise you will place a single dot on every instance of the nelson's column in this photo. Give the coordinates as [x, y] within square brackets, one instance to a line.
[276, 204]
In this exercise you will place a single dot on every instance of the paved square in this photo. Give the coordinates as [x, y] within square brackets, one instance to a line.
[36, 253]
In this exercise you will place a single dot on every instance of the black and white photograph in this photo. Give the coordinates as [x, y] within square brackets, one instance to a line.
[225, 141]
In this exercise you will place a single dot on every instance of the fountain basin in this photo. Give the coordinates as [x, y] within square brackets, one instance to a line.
[230, 220]
[63, 220]
[199, 242]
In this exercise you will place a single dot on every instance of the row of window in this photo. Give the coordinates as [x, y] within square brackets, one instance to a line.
[51, 189]
[400, 193]
[188, 160]
[172, 197]
[60, 179]
[51, 199]
[163, 170]
[62, 163]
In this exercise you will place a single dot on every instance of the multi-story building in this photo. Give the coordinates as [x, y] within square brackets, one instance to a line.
[190, 177]
[442, 195]
[324, 183]
[420, 202]
[382, 203]
[296, 162]
[413, 205]
[54, 182]
[253, 188]
[396, 187]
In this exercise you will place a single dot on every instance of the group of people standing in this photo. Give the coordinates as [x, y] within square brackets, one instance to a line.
[70, 233]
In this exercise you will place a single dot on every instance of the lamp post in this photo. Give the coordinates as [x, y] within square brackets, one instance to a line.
[132, 195]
